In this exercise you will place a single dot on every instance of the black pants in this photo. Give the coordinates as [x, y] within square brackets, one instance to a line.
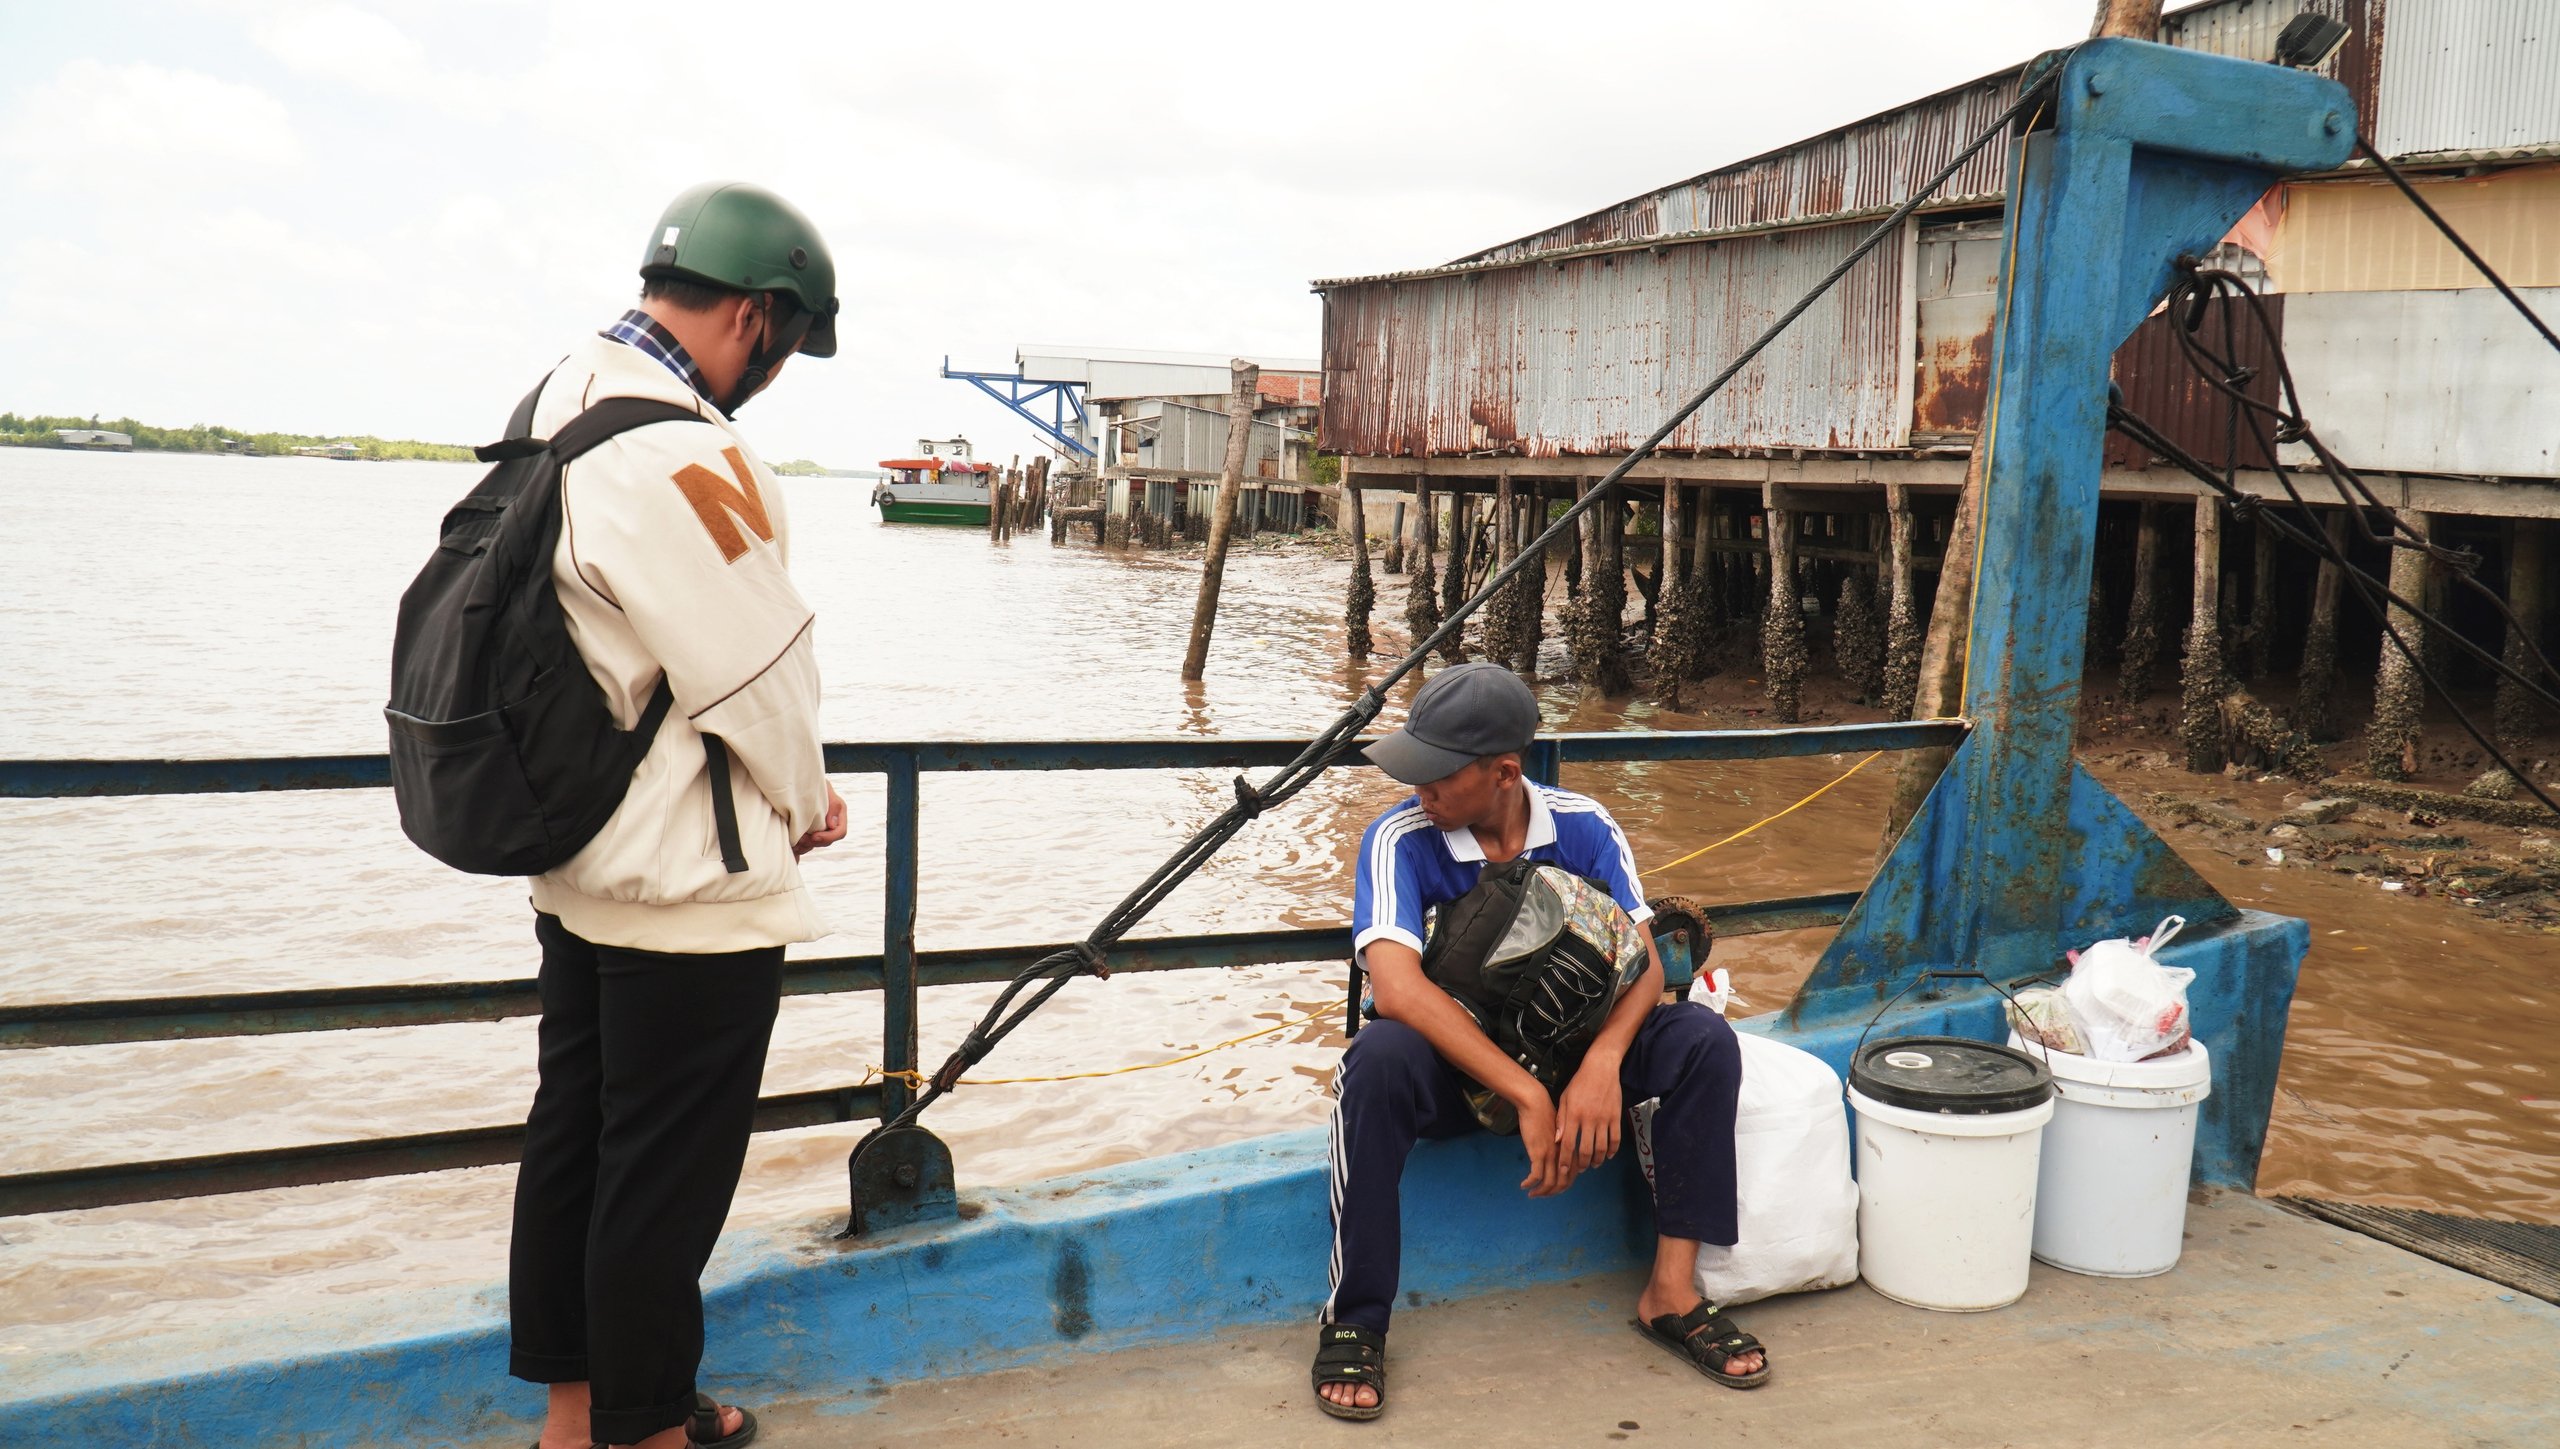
[1395, 1090]
[650, 1066]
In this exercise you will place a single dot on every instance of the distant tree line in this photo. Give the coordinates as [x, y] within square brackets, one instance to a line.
[38, 431]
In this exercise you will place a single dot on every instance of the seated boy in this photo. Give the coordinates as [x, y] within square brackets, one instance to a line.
[1407, 1074]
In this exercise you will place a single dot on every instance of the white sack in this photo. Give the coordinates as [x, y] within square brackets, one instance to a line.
[1798, 1204]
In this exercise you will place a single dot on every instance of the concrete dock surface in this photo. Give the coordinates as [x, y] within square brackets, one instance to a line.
[2274, 1329]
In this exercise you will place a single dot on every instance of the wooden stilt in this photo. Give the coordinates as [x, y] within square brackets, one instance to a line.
[2399, 694]
[2529, 587]
[1363, 589]
[1782, 654]
[1422, 594]
[1902, 611]
[2315, 709]
[2200, 718]
[2136, 676]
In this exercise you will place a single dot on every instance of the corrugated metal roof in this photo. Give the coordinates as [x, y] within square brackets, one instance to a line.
[1587, 355]
[2470, 75]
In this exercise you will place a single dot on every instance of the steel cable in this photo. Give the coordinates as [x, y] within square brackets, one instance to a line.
[2227, 376]
[1051, 973]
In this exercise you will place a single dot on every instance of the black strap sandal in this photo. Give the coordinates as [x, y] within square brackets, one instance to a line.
[1346, 1353]
[703, 1430]
[1706, 1340]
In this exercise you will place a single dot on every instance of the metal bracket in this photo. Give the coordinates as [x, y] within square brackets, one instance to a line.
[900, 1175]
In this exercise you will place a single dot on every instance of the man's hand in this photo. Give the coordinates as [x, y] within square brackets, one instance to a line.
[1588, 1117]
[827, 834]
[1549, 1173]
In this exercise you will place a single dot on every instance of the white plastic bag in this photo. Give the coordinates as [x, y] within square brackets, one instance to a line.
[2128, 1005]
[1798, 1204]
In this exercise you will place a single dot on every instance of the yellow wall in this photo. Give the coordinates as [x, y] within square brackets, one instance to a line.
[2360, 236]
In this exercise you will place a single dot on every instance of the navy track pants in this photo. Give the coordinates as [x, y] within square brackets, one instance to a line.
[1395, 1090]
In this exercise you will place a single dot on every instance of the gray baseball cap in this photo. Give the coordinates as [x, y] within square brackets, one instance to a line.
[1461, 716]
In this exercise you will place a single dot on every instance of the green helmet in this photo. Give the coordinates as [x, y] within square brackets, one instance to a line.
[747, 239]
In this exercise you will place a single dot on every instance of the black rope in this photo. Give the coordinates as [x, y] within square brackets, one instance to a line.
[1052, 972]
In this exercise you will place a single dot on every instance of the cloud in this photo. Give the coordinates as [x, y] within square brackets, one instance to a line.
[354, 47]
[134, 126]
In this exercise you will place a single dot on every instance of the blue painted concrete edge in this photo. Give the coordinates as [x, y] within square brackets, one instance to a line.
[1163, 1248]
[1158, 1249]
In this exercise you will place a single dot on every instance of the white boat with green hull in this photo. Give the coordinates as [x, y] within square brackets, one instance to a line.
[942, 484]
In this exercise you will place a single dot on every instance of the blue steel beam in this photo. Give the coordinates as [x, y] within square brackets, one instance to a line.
[1020, 393]
[2018, 854]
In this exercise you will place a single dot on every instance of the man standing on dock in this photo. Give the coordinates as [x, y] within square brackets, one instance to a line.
[662, 939]
[1408, 1074]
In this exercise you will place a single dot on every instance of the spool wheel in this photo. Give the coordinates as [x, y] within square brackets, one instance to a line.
[1684, 936]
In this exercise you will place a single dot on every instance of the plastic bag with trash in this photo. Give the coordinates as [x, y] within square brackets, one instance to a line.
[2043, 1017]
[2128, 1006]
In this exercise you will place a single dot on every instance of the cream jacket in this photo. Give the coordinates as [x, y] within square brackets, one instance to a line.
[674, 559]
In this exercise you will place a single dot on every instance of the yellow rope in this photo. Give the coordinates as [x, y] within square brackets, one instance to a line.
[1781, 815]
[915, 1080]
[1991, 432]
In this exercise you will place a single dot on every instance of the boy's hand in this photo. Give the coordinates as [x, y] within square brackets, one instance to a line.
[1588, 1118]
[1549, 1173]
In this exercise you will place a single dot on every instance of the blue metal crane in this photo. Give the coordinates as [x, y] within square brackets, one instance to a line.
[1022, 394]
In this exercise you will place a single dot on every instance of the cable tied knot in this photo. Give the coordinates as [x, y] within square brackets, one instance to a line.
[1094, 960]
[1250, 800]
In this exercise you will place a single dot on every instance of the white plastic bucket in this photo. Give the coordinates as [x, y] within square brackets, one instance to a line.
[2111, 1196]
[1946, 1197]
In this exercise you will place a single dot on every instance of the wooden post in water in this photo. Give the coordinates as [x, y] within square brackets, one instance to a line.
[2399, 695]
[2315, 710]
[1674, 632]
[2139, 669]
[1395, 541]
[2262, 595]
[1422, 587]
[1501, 634]
[1247, 380]
[1782, 654]
[2202, 685]
[1531, 605]
[1364, 590]
[2528, 596]
[1902, 610]
[1453, 584]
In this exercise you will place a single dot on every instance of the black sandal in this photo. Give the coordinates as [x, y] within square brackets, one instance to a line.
[704, 1430]
[1706, 1340]
[1346, 1353]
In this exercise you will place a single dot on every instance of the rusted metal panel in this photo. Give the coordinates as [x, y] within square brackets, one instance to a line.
[1867, 166]
[1958, 284]
[2163, 388]
[1584, 356]
[2481, 78]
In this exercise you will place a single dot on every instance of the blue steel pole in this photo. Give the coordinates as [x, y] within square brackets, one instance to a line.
[2153, 155]
[898, 1045]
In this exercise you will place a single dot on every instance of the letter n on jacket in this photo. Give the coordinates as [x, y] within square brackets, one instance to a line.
[714, 501]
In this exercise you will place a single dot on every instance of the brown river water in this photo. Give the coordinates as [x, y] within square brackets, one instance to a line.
[208, 606]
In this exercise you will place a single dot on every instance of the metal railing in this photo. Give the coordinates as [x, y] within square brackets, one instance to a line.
[899, 970]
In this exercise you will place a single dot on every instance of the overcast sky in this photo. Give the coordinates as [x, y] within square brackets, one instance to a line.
[389, 218]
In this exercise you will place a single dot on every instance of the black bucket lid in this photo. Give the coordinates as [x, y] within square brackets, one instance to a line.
[1949, 1074]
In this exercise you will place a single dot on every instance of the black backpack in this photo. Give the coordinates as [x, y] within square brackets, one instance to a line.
[1538, 956]
[505, 759]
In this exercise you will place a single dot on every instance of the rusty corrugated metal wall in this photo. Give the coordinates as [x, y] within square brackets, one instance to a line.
[2162, 388]
[1587, 355]
[1872, 165]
